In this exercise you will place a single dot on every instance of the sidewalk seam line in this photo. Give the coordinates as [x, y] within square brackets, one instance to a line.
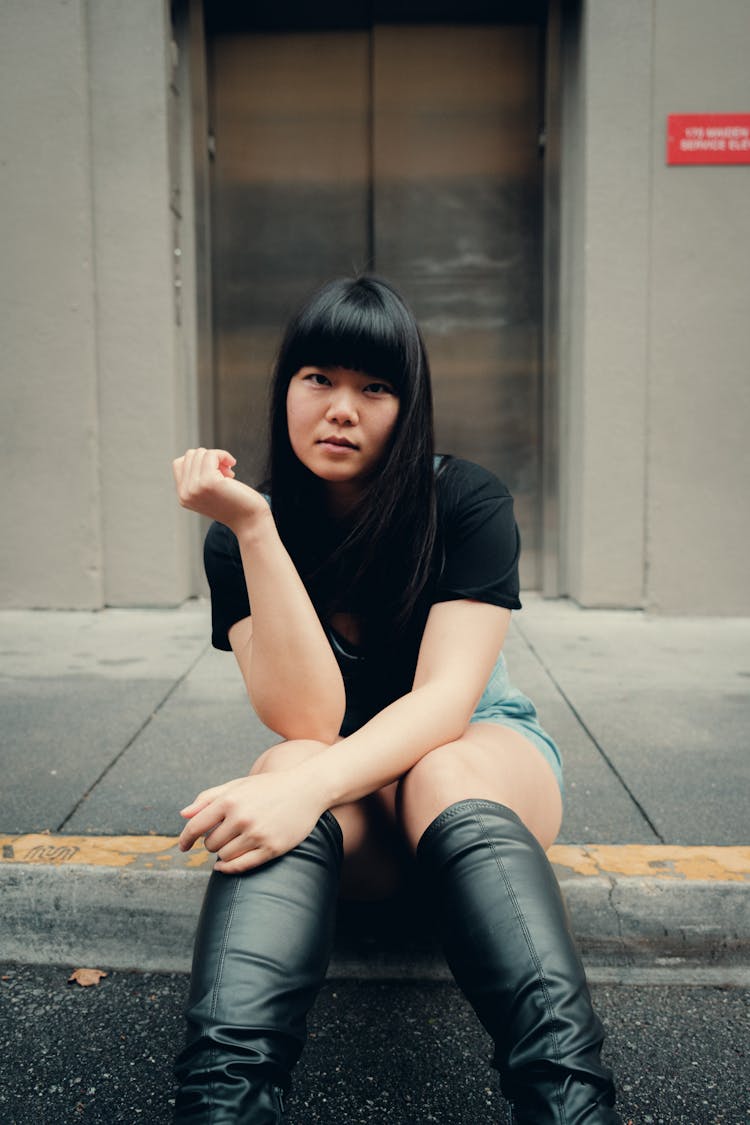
[149, 718]
[592, 736]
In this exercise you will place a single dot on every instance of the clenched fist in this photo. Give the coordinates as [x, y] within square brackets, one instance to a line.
[205, 483]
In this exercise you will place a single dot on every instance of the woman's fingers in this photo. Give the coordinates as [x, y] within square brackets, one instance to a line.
[194, 481]
[198, 468]
[212, 812]
[183, 469]
[223, 836]
[204, 798]
[206, 483]
[198, 825]
[251, 820]
[231, 845]
[226, 463]
[223, 833]
[245, 862]
[178, 466]
[213, 465]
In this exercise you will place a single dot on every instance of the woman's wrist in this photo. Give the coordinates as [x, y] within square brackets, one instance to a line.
[254, 525]
[316, 780]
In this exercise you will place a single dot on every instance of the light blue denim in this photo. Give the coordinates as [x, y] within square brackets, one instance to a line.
[503, 704]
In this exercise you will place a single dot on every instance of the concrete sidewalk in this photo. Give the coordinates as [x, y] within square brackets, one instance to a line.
[112, 721]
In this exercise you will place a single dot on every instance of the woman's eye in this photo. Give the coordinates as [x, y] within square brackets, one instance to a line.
[380, 388]
[317, 379]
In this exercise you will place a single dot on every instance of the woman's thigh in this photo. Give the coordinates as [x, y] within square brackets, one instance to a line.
[490, 762]
[374, 847]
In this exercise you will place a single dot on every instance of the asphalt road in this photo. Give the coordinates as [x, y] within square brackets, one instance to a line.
[395, 1053]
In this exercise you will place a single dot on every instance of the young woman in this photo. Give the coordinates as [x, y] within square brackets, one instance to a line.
[366, 597]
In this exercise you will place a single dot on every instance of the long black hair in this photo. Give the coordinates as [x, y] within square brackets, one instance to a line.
[377, 562]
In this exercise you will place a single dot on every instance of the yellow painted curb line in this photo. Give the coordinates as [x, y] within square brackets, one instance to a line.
[656, 861]
[664, 862]
[142, 852]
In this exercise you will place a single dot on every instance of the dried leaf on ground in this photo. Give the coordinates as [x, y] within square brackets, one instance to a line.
[86, 977]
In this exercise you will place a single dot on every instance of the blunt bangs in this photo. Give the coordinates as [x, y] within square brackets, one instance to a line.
[357, 324]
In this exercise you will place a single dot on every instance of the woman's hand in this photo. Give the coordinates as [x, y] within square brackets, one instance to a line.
[252, 819]
[204, 479]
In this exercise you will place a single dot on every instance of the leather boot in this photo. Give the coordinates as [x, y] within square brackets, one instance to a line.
[261, 953]
[507, 940]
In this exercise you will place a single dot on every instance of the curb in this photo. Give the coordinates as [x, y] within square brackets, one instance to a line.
[132, 902]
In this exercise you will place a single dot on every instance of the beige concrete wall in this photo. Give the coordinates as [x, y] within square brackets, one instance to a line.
[655, 277]
[51, 542]
[607, 154]
[97, 373]
[145, 377]
[699, 370]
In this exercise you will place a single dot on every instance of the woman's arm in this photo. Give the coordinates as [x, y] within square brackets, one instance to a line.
[461, 643]
[256, 818]
[291, 674]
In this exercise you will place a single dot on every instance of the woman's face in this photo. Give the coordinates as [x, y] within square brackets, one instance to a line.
[340, 423]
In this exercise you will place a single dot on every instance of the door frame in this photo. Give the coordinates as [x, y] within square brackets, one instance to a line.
[189, 32]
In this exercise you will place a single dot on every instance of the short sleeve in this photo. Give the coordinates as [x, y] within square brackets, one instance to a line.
[226, 579]
[480, 537]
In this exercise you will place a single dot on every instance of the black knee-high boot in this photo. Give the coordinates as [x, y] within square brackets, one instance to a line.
[261, 953]
[507, 940]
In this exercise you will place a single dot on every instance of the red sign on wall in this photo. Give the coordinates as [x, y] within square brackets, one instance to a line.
[708, 138]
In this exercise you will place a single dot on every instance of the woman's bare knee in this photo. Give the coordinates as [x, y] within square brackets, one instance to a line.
[494, 764]
[436, 774]
[286, 755]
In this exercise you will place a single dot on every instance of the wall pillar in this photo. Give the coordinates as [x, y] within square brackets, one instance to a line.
[605, 176]
[146, 377]
[699, 393]
[51, 541]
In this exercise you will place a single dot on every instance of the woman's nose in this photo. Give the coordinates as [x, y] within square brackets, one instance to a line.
[342, 407]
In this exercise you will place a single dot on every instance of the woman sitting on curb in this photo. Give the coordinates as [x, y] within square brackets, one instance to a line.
[366, 596]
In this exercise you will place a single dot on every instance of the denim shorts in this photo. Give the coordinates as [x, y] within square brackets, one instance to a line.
[503, 704]
[500, 703]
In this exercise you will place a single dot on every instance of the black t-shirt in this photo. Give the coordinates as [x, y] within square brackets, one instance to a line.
[476, 557]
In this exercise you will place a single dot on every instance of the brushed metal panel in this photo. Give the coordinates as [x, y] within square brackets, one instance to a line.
[290, 201]
[457, 198]
[410, 148]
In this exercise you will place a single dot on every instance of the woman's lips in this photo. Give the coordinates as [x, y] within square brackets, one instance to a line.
[338, 443]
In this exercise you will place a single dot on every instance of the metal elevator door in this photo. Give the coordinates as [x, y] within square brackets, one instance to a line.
[411, 151]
